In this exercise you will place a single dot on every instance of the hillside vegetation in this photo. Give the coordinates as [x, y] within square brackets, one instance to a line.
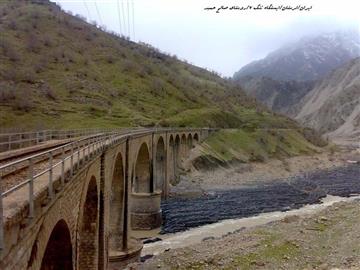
[234, 145]
[58, 71]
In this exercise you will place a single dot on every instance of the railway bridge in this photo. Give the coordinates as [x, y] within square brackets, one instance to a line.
[77, 205]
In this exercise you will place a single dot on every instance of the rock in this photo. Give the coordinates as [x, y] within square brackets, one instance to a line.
[208, 238]
[146, 257]
[289, 219]
[152, 240]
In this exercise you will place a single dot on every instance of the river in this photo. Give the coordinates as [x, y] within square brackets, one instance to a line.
[217, 213]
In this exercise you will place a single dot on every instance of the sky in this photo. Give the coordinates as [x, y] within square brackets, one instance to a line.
[224, 41]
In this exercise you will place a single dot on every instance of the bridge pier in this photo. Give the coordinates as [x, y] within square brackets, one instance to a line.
[122, 249]
[145, 211]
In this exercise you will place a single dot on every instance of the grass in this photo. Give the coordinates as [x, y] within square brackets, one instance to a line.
[246, 145]
[272, 249]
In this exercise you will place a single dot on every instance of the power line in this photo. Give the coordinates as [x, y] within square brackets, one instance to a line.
[123, 12]
[98, 13]
[133, 18]
[87, 9]
[119, 16]
[128, 14]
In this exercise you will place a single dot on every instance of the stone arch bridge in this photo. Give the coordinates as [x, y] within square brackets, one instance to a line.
[80, 210]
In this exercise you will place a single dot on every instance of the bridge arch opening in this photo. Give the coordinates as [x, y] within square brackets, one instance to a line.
[176, 158]
[189, 142]
[183, 146]
[143, 182]
[88, 233]
[58, 252]
[171, 151]
[160, 164]
[117, 205]
[196, 137]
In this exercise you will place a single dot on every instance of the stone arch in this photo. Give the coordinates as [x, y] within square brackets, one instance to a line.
[88, 232]
[58, 252]
[143, 178]
[117, 203]
[189, 142]
[196, 137]
[183, 147]
[160, 164]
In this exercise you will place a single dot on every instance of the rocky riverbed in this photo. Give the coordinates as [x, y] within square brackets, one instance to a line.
[326, 240]
[279, 195]
[320, 241]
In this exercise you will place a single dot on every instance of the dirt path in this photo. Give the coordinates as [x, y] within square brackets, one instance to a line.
[327, 240]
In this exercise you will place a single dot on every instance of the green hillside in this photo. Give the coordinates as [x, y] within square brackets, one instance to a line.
[237, 145]
[57, 71]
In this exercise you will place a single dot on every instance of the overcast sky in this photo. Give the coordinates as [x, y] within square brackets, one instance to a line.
[223, 41]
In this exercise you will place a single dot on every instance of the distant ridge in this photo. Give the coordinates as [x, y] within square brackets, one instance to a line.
[308, 59]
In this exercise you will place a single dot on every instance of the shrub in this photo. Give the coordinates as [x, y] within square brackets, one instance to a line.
[41, 65]
[33, 44]
[110, 59]
[19, 75]
[23, 103]
[114, 93]
[129, 66]
[157, 84]
[35, 15]
[314, 137]
[34, 24]
[7, 92]
[27, 75]
[47, 41]
[71, 58]
[13, 55]
[147, 69]
[86, 61]
[8, 50]
[89, 37]
[48, 91]
[12, 25]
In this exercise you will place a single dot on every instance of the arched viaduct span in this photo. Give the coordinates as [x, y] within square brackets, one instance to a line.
[80, 213]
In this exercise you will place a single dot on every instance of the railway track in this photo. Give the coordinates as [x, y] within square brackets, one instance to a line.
[14, 173]
[16, 168]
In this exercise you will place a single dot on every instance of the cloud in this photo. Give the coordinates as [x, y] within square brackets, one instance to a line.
[223, 42]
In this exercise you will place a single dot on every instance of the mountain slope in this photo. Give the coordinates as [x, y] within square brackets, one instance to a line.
[333, 106]
[57, 71]
[308, 59]
[279, 96]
